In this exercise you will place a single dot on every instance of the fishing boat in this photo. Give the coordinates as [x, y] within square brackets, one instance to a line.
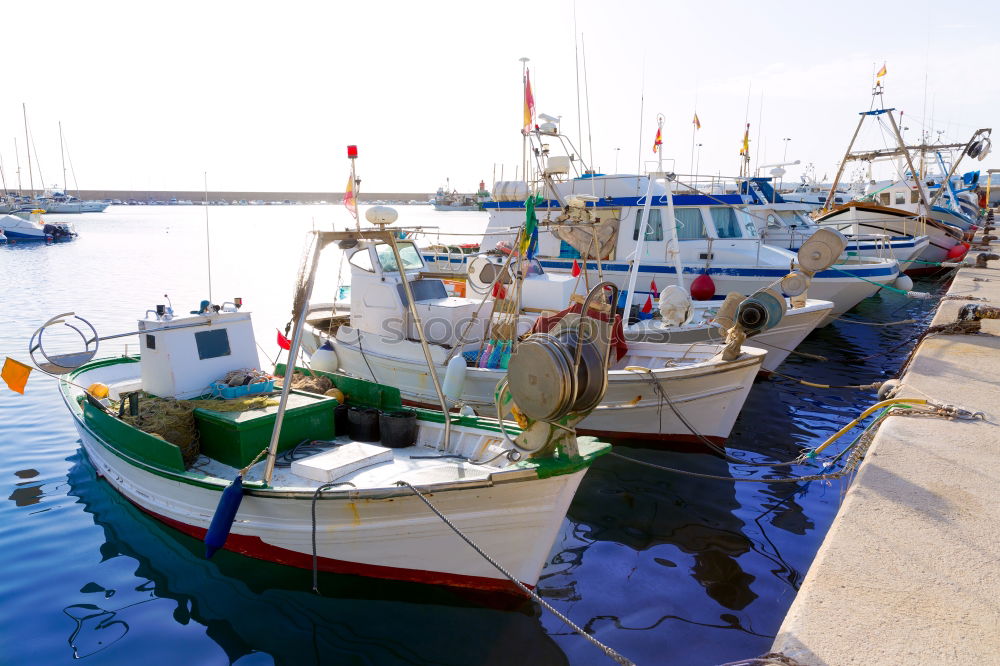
[672, 392]
[787, 224]
[446, 200]
[597, 217]
[344, 504]
[904, 207]
[30, 227]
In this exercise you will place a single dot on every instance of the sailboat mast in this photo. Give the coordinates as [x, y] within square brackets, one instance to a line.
[62, 153]
[27, 141]
[17, 160]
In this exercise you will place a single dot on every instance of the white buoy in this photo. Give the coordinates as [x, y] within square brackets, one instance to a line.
[324, 359]
[454, 378]
[903, 282]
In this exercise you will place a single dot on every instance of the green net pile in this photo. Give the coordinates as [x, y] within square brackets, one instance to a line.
[173, 420]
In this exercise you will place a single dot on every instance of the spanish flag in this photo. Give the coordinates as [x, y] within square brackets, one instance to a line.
[697, 123]
[882, 72]
[350, 203]
[529, 103]
[15, 374]
[658, 141]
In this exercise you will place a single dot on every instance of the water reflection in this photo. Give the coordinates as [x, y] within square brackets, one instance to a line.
[641, 507]
[25, 494]
[251, 607]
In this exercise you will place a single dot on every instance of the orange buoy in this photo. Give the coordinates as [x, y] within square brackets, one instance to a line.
[703, 288]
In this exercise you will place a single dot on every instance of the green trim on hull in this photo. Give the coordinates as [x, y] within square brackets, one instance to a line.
[157, 456]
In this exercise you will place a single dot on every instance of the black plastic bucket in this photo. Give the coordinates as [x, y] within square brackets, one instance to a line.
[399, 428]
[362, 424]
[341, 424]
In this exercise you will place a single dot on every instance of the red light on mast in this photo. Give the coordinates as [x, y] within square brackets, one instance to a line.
[352, 152]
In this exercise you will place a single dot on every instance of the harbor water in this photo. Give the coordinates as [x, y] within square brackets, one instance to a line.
[666, 568]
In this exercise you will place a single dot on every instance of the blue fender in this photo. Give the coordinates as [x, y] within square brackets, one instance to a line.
[224, 516]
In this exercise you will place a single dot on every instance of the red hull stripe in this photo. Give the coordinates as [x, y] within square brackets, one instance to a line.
[652, 436]
[253, 546]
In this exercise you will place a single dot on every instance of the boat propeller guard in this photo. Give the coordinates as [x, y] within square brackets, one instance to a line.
[60, 364]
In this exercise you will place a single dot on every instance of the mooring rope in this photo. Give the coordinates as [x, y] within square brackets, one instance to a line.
[610, 652]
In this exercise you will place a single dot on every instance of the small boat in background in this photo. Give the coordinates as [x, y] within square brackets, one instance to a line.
[29, 227]
[58, 202]
[450, 201]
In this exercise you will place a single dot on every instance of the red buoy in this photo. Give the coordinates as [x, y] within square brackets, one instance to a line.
[958, 251]
[702, 288]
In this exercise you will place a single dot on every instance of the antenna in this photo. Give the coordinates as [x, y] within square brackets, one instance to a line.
[586, 93]
[576, 58]
[208, 243]
[642, 105]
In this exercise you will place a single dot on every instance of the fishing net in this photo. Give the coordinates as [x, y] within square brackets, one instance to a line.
[301, 382]
[173, 420]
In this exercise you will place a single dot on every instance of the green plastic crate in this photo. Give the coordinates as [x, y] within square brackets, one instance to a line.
[235, 438]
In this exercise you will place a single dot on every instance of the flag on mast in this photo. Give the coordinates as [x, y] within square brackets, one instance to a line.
[529, 103]
[658, 141]
[697, 123]
[350, 203]
[882, 72]
[745, 150]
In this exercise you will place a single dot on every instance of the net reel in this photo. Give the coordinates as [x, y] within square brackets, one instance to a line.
[556, 379]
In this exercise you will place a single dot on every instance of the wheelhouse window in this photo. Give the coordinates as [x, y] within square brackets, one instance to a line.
[727, 225]
[900, 197]
[654, 231]
[690, 224]
[914, 196]
[884, 198]
[362, 259]
[407, 252]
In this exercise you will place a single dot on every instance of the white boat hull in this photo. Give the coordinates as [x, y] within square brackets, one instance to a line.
[385, 532]
[779, 341]
[709, 395]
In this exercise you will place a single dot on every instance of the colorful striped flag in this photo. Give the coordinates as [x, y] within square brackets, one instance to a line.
[697, 123]
[658, 141]
[652, 288]
[350, 203]
[529, 103]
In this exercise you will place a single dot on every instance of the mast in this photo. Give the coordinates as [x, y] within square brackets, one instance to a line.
[27, 141]
[843, 162]
[909, 162]
[62, 154]
[17, 160]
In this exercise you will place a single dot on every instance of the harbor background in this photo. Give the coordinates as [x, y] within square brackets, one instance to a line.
[665, 568]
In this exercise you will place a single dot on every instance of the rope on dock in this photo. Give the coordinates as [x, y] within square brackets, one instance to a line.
[610, 652]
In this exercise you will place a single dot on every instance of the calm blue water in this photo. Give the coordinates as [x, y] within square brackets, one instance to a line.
[667, 569]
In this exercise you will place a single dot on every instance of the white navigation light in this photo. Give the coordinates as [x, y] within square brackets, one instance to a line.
[381, 215]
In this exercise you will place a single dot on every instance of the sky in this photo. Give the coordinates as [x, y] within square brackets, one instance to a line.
[265, 96]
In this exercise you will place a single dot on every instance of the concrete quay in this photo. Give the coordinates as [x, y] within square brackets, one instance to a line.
[909, 573]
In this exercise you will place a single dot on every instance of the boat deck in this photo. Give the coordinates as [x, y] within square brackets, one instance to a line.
[419, 465]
